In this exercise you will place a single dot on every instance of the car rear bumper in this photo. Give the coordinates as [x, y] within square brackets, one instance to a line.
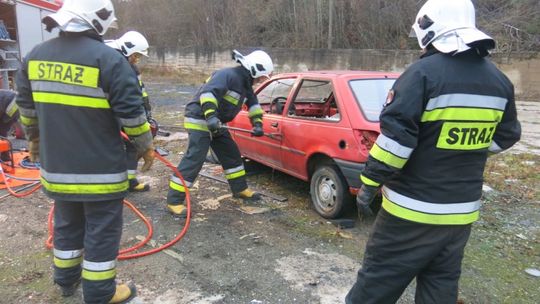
[351, 171]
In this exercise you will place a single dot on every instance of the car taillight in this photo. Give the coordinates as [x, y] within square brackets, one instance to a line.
[367, 138]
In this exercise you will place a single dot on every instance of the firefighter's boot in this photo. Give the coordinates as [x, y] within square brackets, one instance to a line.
[178, 210]
[124, 293]
[68, 291]
[248, 195]
[135, 186]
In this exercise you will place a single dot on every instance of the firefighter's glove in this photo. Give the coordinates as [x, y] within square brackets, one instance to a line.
[214, 125]
[257, 129]
[148, 157]
[364, 197]
[33, 149]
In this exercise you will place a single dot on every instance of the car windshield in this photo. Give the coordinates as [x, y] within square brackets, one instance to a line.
[371, 95]
[276, 89]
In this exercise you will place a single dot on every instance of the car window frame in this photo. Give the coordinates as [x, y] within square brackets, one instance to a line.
[270, 81]
[300, 81]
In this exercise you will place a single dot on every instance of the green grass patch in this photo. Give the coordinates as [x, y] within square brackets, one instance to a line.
[517, 175]
[504, 242]
[493, 272]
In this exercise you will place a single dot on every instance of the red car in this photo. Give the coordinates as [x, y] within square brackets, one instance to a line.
[320, 127]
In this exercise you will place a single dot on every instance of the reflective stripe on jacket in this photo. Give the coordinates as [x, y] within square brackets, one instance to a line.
[446, 114]
[224, 94]
[8, 107]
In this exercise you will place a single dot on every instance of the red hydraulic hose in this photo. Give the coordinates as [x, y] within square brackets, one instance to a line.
[186, 225]
[19, 194]
[49, 242]
[122, 254]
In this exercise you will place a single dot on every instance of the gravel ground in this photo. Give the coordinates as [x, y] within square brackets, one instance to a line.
[285, 254]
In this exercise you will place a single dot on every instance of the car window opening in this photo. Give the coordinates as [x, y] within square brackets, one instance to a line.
[315, 100]
[273, 97]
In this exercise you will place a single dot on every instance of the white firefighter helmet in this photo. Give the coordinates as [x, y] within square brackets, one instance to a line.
[449, 25]
[130, 43]
[98, 14]
[258, 63]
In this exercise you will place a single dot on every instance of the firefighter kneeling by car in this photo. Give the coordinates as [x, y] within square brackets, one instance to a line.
[9, 114]
[217, 102]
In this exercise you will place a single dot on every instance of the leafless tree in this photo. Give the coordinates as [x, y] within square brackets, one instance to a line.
[207, 25]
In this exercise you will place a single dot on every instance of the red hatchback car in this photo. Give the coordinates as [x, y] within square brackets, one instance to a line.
[320, 126]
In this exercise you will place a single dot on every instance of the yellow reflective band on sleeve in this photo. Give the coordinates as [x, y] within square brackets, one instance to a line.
[145, 127]
[368, 181]
[209, 111]
[68, 263]
[131, 176]
[12, 109]
[177, 187]
[63, 72]
[98, 275]
[144, 93]
[85, 188]
[236, 174]
[254, 120]
[426, 218]
[71, 100]
[256, 112]
[387, 157]
[466, 135]
[231, 99]
[209, 99]
[28, 121]
[194, 126]
[470, 114]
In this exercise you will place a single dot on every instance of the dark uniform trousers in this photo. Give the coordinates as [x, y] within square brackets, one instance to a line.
[102, 222]
[198, 145]
[398, 251]
[132, 163]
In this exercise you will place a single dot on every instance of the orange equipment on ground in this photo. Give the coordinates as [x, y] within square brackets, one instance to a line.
[17, 170]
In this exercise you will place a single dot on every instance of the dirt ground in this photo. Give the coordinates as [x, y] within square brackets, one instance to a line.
[277, 252]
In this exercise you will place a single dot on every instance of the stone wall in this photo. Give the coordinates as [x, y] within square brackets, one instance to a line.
[522, 69]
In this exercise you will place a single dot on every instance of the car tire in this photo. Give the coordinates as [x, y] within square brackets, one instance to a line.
[329, 192]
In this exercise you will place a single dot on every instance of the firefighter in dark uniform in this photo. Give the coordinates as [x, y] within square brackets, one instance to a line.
[217, 102]
[9, 114]
[443, 116]
[75, 96]
[133, 45]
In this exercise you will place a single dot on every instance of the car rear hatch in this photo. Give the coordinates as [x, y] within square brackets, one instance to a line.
[370, 95]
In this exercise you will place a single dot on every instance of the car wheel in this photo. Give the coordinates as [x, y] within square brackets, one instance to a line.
[329, 192]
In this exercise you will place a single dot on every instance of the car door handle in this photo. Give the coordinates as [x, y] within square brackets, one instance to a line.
[274, 124]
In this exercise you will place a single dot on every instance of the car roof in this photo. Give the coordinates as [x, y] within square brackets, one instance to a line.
[340, 74]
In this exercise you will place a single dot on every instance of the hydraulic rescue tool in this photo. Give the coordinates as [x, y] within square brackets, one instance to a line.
[270, 135]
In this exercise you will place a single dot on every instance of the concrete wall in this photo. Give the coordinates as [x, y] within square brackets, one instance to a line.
[522, 69]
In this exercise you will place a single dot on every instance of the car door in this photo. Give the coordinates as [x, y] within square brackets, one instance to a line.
[313, 123]
[272, 97]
